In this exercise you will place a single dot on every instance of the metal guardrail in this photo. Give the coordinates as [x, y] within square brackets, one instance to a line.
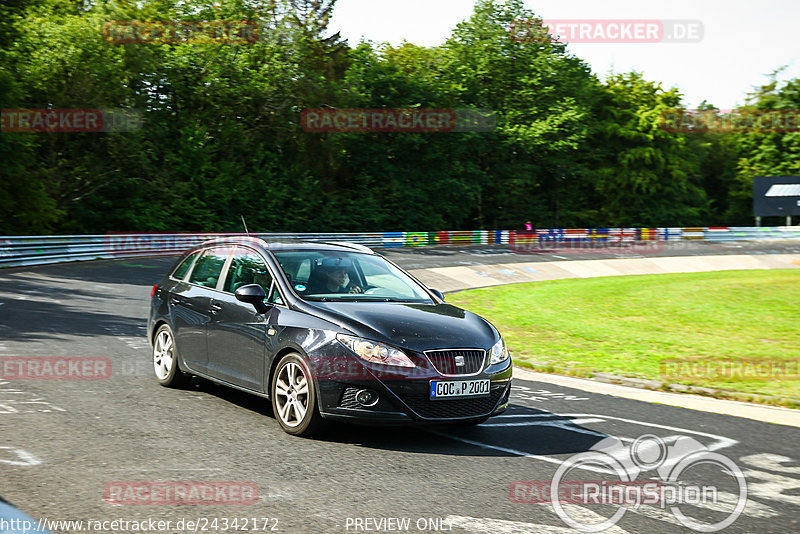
[16, 251]
[747, 233]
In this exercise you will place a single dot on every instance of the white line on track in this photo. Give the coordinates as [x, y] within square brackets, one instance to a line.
[765, 414]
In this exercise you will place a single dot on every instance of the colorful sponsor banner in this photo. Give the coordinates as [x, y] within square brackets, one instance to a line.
[461, 237]
[441, 238]
[416, 239]
[393, 239]
[620, 235]
[693, 232]
[672, 234]
[549, 235]
[576, 235]
[647, 234]
[598, 234]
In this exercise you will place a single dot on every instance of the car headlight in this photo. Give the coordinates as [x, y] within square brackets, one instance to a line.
[499, 352]
[375, 352]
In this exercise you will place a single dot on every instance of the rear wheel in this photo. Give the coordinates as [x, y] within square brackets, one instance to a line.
[165, 360]
[294, 399]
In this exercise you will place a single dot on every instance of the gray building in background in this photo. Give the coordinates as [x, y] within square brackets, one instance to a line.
[776, 196]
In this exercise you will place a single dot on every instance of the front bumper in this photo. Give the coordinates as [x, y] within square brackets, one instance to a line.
[406, 399]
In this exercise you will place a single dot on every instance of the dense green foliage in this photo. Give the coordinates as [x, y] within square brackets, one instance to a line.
[221, 133]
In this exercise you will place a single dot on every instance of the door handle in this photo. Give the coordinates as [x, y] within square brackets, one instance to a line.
[215, 308]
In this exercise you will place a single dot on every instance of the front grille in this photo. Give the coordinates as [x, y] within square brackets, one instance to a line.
[444, 361]
[447, 409]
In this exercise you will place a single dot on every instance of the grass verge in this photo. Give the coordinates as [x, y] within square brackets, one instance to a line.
[736, 331]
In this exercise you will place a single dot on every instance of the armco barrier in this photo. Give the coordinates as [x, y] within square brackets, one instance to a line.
[742, 233]
[18, 251]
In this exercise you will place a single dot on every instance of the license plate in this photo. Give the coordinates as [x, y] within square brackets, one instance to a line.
[459, 388]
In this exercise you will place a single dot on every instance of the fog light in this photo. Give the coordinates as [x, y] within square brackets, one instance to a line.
[365, 397]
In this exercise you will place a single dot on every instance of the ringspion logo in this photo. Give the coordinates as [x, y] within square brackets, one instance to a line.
[650, 471]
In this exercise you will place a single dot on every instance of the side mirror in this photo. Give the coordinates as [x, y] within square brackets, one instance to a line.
[253, 294]
[437, 293]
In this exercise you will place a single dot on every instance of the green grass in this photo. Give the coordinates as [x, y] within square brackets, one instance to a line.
[627, 325]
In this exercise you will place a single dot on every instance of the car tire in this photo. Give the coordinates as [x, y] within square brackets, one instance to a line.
[294, 397]
[165, 360]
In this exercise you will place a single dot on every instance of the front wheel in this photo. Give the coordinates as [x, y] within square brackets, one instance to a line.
[294, 400]
[165, 360]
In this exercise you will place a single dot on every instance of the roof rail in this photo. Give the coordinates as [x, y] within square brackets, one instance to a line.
[234, 239]
[354, 246]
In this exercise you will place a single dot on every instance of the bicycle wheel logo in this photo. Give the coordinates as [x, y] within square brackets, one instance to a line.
[671, 485]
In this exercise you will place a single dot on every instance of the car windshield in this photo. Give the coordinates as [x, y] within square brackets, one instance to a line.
[323, 275]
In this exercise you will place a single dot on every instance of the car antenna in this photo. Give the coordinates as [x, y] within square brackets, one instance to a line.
[245, 225]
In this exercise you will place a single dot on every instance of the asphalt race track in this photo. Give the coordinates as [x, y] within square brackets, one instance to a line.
[64, 443]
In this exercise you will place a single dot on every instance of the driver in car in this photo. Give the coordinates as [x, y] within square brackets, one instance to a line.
[336, 279]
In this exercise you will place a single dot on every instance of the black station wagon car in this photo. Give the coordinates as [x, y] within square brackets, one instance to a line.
[326, 332]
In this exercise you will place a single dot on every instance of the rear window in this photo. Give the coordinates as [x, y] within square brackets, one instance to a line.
[208, 267]
[183, 268]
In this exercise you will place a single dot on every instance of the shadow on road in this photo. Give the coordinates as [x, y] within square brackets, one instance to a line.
[489, 439]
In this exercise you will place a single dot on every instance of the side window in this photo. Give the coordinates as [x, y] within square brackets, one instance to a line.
[275, 296]
[208, 268]
[183, 268]
[247, 267]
